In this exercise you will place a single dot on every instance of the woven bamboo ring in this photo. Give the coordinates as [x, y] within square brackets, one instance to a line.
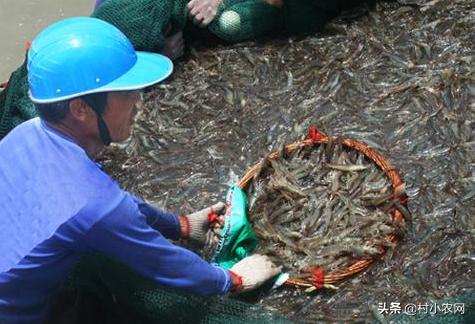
[315, 137]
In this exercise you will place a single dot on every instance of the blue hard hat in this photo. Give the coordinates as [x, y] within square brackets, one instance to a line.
[83, 55]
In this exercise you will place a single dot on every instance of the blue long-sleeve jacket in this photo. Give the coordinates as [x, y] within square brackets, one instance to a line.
[56, 204]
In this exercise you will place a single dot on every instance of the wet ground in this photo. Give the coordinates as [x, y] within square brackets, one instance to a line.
[399, 78]
[21, 21]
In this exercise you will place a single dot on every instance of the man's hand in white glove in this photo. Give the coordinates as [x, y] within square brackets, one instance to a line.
[195, 226]
[203, 11]
[253, 271]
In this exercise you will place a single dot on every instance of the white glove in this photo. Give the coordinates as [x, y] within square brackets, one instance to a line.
[252, 272]
[196, 225]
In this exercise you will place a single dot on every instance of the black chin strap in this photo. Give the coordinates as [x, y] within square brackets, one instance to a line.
[98, 101]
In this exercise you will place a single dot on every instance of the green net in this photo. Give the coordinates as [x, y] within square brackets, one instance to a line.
[102, 290]
[15, 104]
[239, 20]
[307, 16]
[144, 22]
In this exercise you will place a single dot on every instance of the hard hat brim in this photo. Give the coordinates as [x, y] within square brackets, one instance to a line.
[149, 69]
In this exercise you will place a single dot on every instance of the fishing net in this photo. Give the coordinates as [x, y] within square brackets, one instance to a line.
[15, 105]
[236, 20]
[144, 22]
[102, 290]
[239, 20]
[317, 275]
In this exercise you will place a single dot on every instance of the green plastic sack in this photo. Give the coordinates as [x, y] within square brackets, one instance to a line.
[237, 239]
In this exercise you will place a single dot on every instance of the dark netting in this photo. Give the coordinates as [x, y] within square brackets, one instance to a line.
[15, 104]
[240, 20]
[144, 22]
[308, 16]
[102, 290]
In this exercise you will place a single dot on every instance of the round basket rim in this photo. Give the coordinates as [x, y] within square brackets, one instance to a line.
[320, 279]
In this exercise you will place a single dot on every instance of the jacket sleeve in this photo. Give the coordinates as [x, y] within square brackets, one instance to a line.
[166, 223]
[124, 235]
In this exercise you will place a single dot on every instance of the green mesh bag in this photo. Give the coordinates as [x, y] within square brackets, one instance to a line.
[102, 290]
[15, 104]
[144, 21]
[305, 16]
[239, 20]
[308, 16]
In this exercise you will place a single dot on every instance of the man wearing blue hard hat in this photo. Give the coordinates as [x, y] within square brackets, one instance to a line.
[56, 203]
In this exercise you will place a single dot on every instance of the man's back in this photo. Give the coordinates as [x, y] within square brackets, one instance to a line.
[48, 187]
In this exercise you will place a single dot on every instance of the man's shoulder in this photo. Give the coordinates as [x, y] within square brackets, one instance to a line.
[20, 131]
